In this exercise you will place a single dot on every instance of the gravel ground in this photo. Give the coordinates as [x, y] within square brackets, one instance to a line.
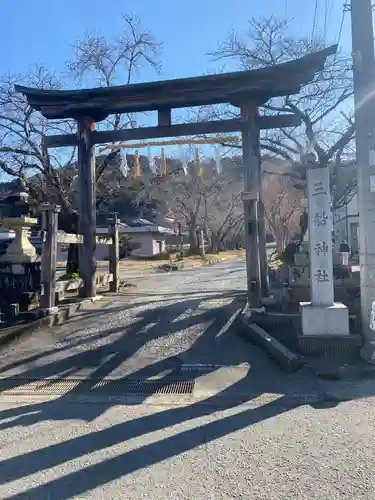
[173, 319]
[264, 435]
[171, 315]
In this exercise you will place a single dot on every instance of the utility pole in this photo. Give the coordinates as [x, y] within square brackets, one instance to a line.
[364, 80]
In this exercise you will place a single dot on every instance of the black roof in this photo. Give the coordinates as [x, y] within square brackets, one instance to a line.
[258, 85]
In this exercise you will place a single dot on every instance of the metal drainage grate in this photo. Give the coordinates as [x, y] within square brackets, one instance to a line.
[104, 387]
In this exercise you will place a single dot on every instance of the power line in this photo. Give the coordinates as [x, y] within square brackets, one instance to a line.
[315, 19]
[330, 10]
[325, 20]
[328, 6]
[340, 31]
[341, 26]
[333, 3]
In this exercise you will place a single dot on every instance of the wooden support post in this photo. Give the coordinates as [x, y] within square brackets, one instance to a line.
[165, 118]
[87, 206]
[251, 160]
[181, 242]
[163, 167]
[114, 257]
[263, 257]
[49, 250]
[198, 163]
[201, 242]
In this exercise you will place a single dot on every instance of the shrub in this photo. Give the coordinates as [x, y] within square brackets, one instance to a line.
[69, 276]
[126, 246]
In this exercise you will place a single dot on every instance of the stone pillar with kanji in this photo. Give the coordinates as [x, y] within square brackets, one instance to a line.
[322, 316]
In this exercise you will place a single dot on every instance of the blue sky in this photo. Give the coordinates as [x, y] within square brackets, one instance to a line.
[42, 31]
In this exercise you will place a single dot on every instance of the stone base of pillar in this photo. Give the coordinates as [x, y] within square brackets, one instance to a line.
[268, 301]
[247, 310]
[368, 352]
[28, 301]
[95, 298]
[325, 332]
[324, 320]
[340, 346]
[48, 311]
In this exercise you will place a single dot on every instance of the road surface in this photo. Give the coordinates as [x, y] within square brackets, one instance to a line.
[248, 431]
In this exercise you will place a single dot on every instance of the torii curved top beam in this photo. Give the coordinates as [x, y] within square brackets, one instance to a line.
[254, 85]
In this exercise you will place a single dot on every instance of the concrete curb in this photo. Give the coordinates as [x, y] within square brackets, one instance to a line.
[12, 333]
[286, 359]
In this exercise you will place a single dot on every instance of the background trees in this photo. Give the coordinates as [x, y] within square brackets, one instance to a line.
[98, 61]
[283, 206]
[203, 201]
[53, 176]
[209, 202]
[324, 107]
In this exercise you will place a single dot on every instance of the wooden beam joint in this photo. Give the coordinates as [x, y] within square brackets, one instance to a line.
[165, 118]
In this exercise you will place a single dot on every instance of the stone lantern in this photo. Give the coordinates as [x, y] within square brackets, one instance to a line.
[15, 215]
[20, 266]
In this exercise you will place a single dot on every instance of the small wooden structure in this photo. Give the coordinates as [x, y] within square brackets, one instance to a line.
[246, 90]
[54, 289]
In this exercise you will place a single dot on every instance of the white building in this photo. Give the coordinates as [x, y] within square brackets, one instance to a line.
[345, 216]
[149, 238]
[345, 224]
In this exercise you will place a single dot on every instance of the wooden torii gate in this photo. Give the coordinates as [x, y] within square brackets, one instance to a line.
[246, 90]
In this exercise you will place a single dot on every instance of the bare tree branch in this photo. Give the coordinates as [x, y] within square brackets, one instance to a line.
[319, 105]
[22, 129]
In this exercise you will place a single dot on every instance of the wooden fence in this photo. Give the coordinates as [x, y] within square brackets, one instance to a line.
[54, 290]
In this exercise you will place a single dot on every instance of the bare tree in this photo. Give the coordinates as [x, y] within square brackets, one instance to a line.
[207, 202]
[183, 199]
[322, 105]
[21, 135]
[118, 61]
[53, 176]
[223, 213]
[283, 207]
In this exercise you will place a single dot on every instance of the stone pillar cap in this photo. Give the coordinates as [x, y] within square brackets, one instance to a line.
[24, 219]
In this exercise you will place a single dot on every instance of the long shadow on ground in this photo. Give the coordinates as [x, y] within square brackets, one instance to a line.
[150, 325]
[84, 480]
[99, 362]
